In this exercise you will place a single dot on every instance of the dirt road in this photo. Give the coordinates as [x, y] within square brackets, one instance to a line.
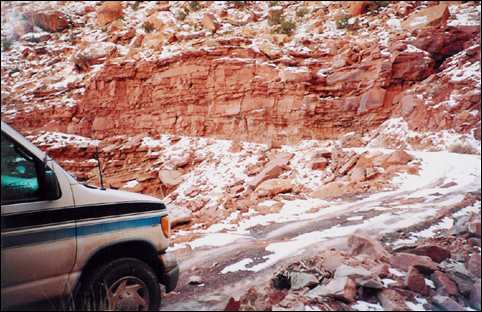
[250, 256]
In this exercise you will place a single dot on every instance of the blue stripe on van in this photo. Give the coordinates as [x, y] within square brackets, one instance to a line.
[37, 238]
[50, 235]
[117, 226]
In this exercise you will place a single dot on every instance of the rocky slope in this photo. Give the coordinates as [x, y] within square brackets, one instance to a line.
[265, 126]
[265, 71]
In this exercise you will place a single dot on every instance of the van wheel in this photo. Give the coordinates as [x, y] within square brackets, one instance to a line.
[125, 284]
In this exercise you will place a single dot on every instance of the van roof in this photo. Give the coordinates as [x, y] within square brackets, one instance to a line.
[19, 138]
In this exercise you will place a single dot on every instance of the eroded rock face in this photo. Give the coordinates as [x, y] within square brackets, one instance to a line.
[201, 94]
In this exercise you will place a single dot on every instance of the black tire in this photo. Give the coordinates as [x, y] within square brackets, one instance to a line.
[93, 292]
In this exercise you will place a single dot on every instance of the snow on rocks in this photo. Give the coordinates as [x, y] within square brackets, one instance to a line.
[54, 140]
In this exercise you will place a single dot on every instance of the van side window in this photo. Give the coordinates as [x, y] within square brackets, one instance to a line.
[19, 174]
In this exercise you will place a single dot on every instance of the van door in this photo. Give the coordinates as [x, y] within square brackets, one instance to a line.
[38, 234]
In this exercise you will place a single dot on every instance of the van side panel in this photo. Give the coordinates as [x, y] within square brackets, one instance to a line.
[38, 248]
[139, 227]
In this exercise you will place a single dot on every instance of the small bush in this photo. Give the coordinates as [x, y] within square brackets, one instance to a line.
[194, 5]
[301, 12]
[135, 5]
[148, 26]
[6, 44]
[376, 5]
[342, 22]
[287, 27]
[273, 3]
[182, 15]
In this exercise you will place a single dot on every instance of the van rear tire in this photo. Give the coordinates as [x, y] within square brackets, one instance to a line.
[120, 285]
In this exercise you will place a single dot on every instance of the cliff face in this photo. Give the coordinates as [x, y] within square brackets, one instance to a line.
[216, 93]
[238, 87]
[271, 130]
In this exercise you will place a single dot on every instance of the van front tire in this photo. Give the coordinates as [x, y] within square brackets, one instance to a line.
[124, 284]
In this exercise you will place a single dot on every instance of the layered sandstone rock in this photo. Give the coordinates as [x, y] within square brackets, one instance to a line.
[256, 89]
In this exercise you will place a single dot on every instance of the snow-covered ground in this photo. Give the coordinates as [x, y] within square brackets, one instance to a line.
[442, 182]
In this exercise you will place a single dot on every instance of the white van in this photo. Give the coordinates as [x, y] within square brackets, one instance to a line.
[99, 248]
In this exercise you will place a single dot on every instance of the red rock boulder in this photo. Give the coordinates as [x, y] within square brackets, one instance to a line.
[50, 20]
[432, 16]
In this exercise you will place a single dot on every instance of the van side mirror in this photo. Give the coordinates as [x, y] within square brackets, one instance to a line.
[51, 189]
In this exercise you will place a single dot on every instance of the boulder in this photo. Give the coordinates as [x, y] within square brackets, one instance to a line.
[405, 260]
[269, 49]
[357, 7]
[275, 14]
[371, 100]
[408, 103]
[399, 157]
[332, 190]
[319, 163]
[181, 161]
[273, 187]
[232, 305]
[372, 283]
[300, 280]
[473, 264]
[51, 20]
[272, 169]
[416, 281]
[37, 37]
[444, 284]
[170, 178]
[350, 271]
[447, 303]
[348, 165]
[22, 27]
[362, 243]
[210, 23]
[461, 225]
[179, 215]
[358, 174]
[108, 12]
[436, 253]
[474, 228]
[342, 288]
[160, 20]
[94, 54]
[392, 300]
[371, 173]
[412, 66]
[475, 296]
[444, 42]
[436, 15]
[464, 283]
[382, 270]
[154, 40]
